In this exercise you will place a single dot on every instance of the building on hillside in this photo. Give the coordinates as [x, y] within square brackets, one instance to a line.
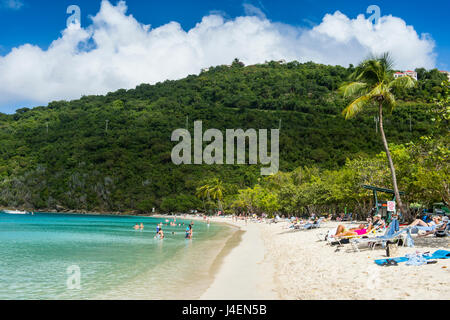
[410, 73]
[446, 73]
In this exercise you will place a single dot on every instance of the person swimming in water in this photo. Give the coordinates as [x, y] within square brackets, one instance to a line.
[142, 226]
[136, 227]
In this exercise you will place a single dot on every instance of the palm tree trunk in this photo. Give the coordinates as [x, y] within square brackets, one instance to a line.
[220, 205]
[391, 166]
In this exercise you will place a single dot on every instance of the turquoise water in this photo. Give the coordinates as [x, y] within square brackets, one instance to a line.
[115, 261]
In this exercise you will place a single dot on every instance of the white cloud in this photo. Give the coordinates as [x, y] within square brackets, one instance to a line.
[11, 4]
[124, 53]
[251, 10]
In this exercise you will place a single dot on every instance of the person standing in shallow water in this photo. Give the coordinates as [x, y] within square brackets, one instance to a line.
[189, 232]
[158, 227]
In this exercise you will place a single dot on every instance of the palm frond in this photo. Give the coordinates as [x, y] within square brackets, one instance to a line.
[353, 89]
[375, 69]
[403, 82]
[369, 72]
[356, 106]
[389, 102]
[376, 91]
[386, 61]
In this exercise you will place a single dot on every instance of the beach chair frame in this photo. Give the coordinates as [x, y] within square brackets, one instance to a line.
[372, 242]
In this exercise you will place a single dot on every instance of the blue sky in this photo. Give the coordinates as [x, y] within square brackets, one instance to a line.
[39, 22]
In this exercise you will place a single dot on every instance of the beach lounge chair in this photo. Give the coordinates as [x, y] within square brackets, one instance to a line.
[443, 233]
[439, 230]
[329, 235]
[348, 217]
[309, 226]
[346, 239]
[324, 236]
[390, 235]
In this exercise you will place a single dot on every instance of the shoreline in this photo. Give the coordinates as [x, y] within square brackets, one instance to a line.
[241, 270]
[269, 261]
[244, 273]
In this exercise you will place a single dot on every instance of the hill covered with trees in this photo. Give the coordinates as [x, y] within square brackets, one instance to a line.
[112, 153]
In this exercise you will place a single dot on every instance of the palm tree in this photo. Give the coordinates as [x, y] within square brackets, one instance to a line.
[216, 190]
[203, 193]
[372, 86]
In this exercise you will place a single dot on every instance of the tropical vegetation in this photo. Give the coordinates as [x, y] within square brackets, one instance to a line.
[112, 153]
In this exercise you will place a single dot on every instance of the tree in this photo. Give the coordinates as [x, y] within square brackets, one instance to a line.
[214, 190]
[203, 193]
[372, 84]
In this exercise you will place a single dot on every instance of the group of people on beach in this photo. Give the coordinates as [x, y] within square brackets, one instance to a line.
[159, 228]
[372, 223]
[436, 223]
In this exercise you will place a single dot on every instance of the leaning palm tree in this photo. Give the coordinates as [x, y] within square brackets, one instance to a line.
[372, 84]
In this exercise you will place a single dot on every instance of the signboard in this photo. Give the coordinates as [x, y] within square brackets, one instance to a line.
[391, 206]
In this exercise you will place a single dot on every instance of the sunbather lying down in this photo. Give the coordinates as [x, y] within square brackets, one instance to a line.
[431, 227]
[358, 231]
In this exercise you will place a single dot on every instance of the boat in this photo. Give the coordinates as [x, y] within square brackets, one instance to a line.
[15, 212]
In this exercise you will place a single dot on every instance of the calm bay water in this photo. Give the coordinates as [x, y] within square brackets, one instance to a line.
[115, 261]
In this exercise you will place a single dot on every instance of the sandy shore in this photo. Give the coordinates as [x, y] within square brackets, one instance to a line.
[272, 262]
[245, 273]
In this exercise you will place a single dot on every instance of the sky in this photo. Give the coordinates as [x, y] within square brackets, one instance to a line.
[121, 44]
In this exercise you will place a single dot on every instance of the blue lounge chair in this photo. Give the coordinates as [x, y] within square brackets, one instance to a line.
[392, 233]
[309, 226]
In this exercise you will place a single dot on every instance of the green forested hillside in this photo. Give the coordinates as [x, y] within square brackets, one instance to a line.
[112, 153]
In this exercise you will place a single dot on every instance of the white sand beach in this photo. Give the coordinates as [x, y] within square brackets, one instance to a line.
[272, 262]
[245, 274]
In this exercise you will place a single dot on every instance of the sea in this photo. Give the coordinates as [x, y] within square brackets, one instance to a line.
[82, 257]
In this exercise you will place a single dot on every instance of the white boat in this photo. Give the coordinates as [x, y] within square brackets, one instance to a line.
[15, 212]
